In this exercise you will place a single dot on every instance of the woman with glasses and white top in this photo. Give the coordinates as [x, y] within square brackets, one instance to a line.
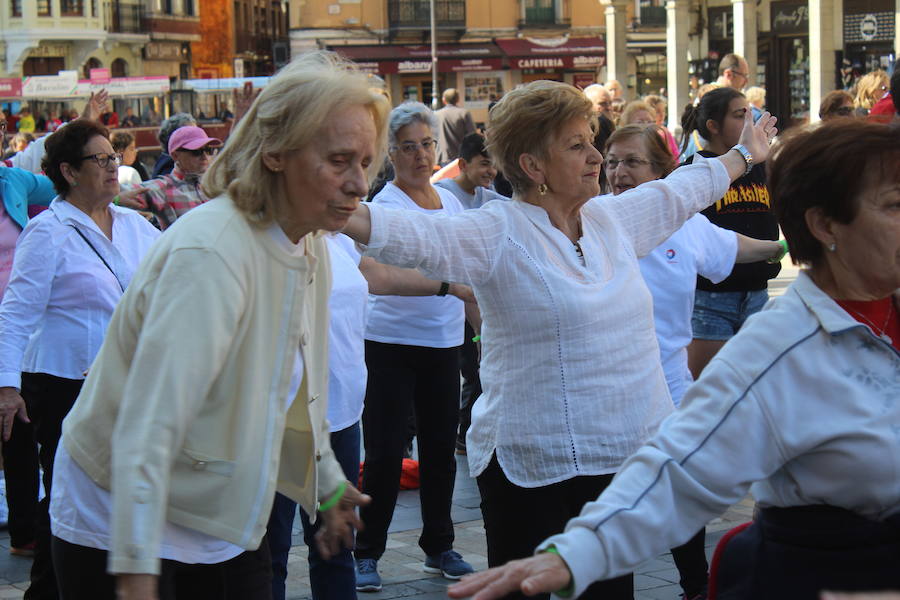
[412, 356]
[72, 264]
[170, 196]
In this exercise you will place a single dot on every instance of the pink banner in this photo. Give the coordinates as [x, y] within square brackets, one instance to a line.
[10, 87]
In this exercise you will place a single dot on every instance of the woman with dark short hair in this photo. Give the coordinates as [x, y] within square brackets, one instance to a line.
[800, 408]
[836, 104]
[71, 267]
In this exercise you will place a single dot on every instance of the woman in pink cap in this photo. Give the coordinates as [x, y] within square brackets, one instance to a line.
[170, 196]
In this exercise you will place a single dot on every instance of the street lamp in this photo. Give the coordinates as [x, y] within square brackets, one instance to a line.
[434, 61]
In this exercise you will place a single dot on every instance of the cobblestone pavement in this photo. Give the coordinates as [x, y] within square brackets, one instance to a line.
[401, 566]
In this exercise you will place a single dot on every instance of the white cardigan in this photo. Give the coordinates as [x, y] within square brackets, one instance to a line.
[570, 364]
[803, 403]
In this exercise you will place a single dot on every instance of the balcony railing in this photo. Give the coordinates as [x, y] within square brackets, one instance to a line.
[124, 18]
[416, 14]
[542, 13]
[653, 16]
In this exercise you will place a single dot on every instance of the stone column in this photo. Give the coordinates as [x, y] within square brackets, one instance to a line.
[821, 53]
[677, 26]
[745, 32]
[616, 53]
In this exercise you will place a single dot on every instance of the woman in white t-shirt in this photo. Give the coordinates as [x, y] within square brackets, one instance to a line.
[636, 154]
[412, 356]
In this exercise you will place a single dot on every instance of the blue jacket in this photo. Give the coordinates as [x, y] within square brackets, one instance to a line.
[20, 188]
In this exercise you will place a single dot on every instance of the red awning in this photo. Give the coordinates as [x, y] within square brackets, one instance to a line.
[385, 58]
[554, 53]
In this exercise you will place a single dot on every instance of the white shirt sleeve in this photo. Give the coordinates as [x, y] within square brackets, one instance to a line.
[30, 284]
[716, 249]
[30, 158]
[653, 211]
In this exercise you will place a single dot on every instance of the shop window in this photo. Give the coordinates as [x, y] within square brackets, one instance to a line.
[15, 8]
[43, 65]
[71, 8]
[652, 13]
[43, 8]
[119, 68]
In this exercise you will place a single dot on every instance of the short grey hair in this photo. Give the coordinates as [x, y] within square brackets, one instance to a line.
[407, 114]
[168, 127]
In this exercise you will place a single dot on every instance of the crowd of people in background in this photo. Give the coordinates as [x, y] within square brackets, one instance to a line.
[567, 292]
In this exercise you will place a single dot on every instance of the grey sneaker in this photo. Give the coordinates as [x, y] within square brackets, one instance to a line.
[449, 564]
[367, 577]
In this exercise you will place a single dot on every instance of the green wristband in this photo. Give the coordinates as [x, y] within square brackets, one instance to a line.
[335, 498]
[784, 250]
[116, 200]
[476, 339]
[569, 590]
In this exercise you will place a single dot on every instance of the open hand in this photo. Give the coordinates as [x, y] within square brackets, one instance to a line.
[541, 574]
[132, 198]
[757, 137]
[339, 522]
[96, 105]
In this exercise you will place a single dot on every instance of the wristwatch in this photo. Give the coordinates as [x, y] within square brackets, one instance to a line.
[748, 158]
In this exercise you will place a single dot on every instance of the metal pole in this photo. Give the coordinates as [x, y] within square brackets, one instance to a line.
[434, 61]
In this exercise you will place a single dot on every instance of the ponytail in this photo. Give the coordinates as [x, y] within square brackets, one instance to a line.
[688, 125]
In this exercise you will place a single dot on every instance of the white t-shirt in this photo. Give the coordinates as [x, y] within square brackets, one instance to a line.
[670, 271]
[430, 321]
[129, 175]
[346, 350]
[481, 196]
[80, 509]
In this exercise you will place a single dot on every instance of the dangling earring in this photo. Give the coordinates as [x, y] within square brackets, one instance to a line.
[832, 247]
[74, 183]
[542, 189]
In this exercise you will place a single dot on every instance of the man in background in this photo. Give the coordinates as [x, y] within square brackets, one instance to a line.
[454, 123]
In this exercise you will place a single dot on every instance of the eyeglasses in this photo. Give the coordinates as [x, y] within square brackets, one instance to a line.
[102, 160]
[200, 151]
[411, 148]
[844, 111]
[604, 104]
[744, 75]
[632, 162]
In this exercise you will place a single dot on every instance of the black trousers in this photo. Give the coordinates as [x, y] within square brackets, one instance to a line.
[401, 377]
[48, 400]
[693, 568]
[517, 519]
[471, 387]
[22, 473]
[81, 572]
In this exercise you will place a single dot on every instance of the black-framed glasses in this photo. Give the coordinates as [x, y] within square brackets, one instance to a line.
[844, 111]
[632, 162]
[410, 148]
[201, 151]
[103, 159]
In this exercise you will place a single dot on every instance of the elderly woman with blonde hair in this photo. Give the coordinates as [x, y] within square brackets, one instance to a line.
[571, 377]
[210, 390]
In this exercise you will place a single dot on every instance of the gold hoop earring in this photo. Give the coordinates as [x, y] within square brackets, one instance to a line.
[542, 189]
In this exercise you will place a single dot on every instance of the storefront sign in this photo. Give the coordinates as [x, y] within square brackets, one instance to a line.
[10, 87]
[869, 27]
[582, 80]
[50, 86]
[788, 17]
[131, 86]
[162, 51]
[470, 64]
[99, 76]
[721, 23]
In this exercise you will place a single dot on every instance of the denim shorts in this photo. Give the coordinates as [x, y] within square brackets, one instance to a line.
[719, 315]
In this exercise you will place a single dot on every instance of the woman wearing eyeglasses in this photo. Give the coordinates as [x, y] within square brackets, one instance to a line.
[71, 266]
[170, 196]
[412, 357]
[835, 105]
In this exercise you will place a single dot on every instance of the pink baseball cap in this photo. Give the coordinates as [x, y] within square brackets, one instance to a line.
[190, 137]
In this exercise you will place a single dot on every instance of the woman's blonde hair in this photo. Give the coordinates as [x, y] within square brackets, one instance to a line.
[526, 121]
[870, 88]
[634, 107]
[287, 116]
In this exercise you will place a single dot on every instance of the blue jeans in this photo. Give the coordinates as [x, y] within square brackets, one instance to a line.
[718, 315]
[333, 579]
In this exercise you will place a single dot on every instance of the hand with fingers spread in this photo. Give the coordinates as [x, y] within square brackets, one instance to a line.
[96, 105]
[541, 574]
[757, 137]
[133, 198]
[340, 521]
[11, 406]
